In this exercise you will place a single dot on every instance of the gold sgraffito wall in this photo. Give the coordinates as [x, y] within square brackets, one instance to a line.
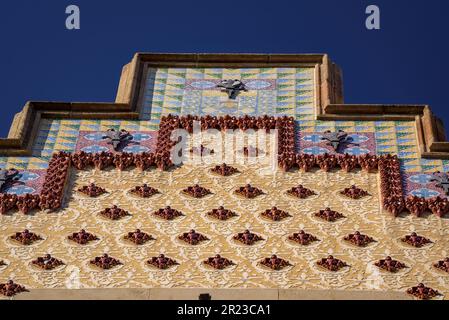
[364, 215]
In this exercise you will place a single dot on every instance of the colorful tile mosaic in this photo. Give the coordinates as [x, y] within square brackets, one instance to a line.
[274, 91]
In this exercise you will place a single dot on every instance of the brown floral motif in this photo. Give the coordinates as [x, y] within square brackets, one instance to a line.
[275, 214]
[47, 262]
[416, 205]
[286, 143]
[224, 170]
[388, 165]
[197, 191]
[439, 206]
[415, 240]
[164, 143]
[192, 237]
[117, 138]
[81, 160]
[391, 188]
[332, 264]
[336, 139]
[358, 239]
[248, 238]
[390, 265]
[144, 191]
[55, 181]
[287, 163]
[303, 238]
[163, 161]
[92, 190]
[232, 88]
[82, 237]
[26, 237]
[275, 263]
[249, 192]
[222, 214]
[28, 202]
[105, 262]
[422, 292]
[7, 202]
[168, 213]
[11, 289]
[442, 265]
[2, 263]
[114, 213]
[138, 237]
[301, 192]
[329, 215]
[162, 262]
[354, 192]
[218, 262]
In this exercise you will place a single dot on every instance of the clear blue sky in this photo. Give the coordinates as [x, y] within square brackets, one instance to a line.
[405, 62]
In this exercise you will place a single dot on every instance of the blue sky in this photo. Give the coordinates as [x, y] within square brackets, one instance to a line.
[405, 62]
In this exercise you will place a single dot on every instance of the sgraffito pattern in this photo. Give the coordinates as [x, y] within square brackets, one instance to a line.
[363, 215]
